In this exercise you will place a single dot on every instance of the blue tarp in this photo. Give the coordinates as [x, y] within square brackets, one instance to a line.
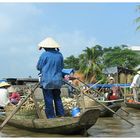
[67, 71]
[109, 85]
[3, 81]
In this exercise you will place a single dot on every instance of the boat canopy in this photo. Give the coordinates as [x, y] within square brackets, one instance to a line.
[109, 85]
[68, 71]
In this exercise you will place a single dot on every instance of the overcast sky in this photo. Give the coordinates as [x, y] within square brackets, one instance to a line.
[73, 25]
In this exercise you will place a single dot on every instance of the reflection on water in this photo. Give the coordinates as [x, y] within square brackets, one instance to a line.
[105, 127]
[117, 127]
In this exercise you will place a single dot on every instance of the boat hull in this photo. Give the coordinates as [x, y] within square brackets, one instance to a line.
[133, 105]
[115, 105]
[107, 113]
[65, 125]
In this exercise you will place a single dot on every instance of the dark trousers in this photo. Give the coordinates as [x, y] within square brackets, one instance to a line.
[51, 95]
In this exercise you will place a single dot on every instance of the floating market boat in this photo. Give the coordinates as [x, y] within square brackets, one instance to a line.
[129, 101]
[133, 104]
[62, 125]
[107, 113]
[114, 105]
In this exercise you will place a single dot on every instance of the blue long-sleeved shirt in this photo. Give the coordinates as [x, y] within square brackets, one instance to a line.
[50, 65]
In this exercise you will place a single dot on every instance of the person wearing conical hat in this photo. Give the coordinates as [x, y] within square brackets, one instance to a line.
[135, 85]
[4, 99]
[50, 65]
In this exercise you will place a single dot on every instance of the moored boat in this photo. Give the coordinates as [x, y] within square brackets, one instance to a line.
[133, 104]
[129, 101]
[62, 125]
[107, 113]
[114, 105]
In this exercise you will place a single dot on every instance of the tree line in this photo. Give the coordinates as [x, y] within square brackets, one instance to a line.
[94, 59]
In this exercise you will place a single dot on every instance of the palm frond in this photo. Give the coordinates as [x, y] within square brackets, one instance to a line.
[138, 28]
[137, 20]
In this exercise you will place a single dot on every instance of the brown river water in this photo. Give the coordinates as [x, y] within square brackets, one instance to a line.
[104, 127]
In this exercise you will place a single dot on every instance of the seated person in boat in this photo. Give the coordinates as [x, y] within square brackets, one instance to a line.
[4, 94]
[14, 98]
[135, 86]
[115, 92]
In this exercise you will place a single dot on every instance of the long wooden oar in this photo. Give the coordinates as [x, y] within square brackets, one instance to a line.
[17, 108]
[125, 111]
[73, 78]
[90, 87]
[100, 103]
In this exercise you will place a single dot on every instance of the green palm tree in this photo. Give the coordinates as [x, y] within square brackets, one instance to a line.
[71, 62]
[90, 62]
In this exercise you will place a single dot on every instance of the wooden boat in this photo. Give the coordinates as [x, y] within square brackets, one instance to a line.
[64, 125]
[115, 105]
[133, 104]
[107, 113]
[104, 112]
[129, 101]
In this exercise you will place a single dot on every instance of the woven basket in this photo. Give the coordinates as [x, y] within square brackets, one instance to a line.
[87, 102]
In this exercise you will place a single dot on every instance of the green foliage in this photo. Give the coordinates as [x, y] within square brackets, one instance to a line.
[119, 56]
[92, 60]
[71, 62]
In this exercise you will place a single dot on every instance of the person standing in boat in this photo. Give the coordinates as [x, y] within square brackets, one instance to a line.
[135, 85]
[50, 65]
[4, 94]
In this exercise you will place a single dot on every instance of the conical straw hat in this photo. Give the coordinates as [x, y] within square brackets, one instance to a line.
[48, 43]
[4, 84]
[111, 78]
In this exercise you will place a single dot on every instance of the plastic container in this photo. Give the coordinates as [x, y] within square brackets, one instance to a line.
[75, 112]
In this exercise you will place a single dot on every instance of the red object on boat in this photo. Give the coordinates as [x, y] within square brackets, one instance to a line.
[14, 97]
[113, 97]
